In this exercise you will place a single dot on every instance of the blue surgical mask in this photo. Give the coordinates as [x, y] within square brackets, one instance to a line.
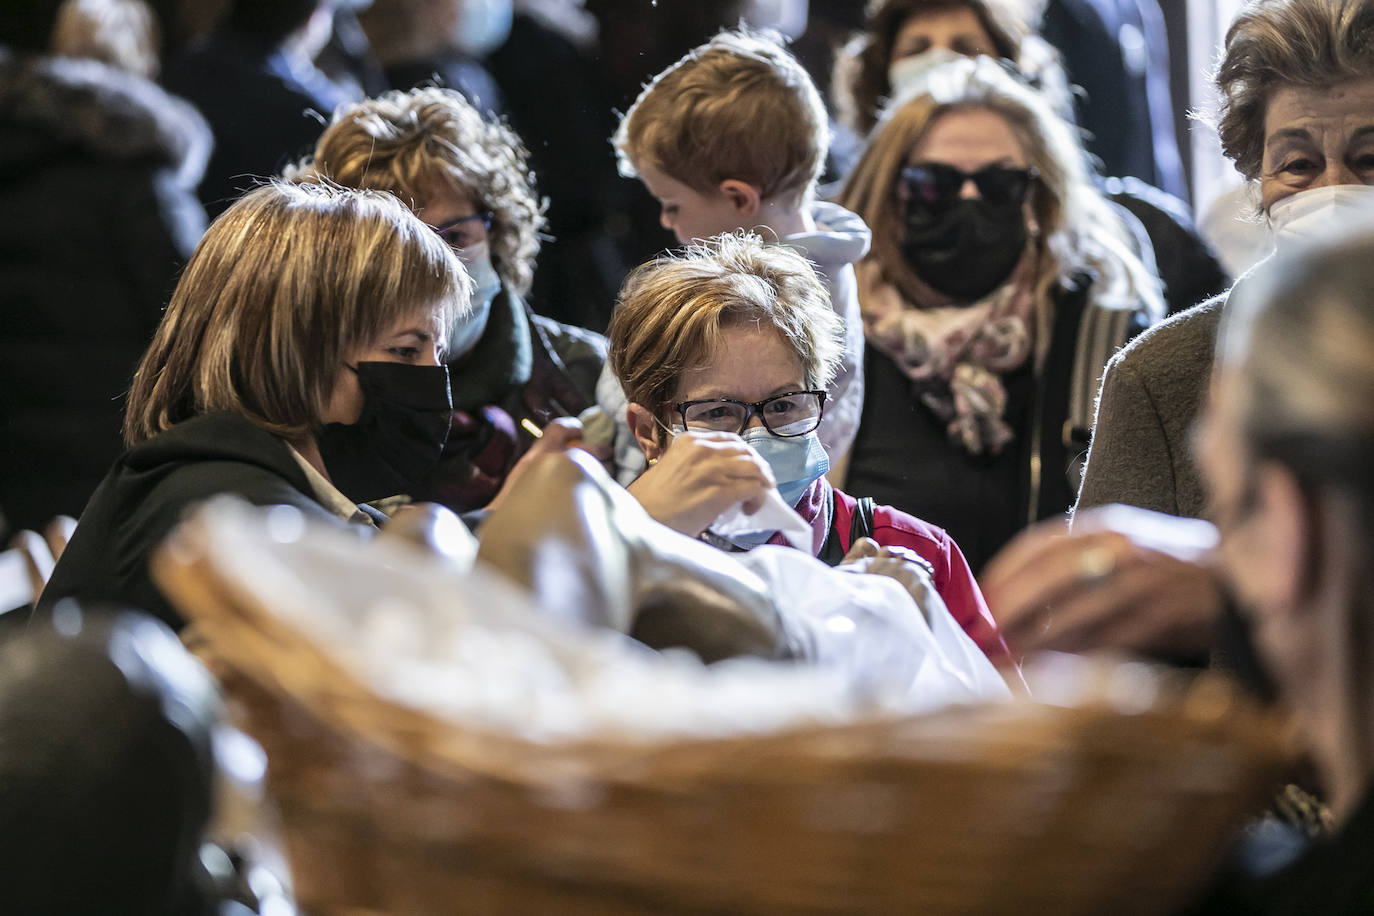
[487, 283]
[797, 461]
[482, 26]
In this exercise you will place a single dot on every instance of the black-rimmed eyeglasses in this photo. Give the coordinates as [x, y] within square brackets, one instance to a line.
[794, 413]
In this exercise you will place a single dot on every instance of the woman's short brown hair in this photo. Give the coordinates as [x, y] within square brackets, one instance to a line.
[1312, 44]
[671, 312]
[411, 143]
[282, 288]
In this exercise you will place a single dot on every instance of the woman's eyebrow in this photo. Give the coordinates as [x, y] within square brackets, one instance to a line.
[423, 335]
[1288, 133]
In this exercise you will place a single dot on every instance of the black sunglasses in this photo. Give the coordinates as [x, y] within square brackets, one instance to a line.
[934, 183]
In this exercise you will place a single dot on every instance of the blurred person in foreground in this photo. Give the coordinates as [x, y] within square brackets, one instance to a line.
[111, 781]
[1297, 118]
[513, 373]
[1285, 445]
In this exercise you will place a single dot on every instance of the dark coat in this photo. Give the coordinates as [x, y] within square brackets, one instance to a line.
[904, 458]
[1118, 52]
[149, 490]
[265, 113]
[1182, 259]
[524, 368]
[97, 176]
[1277, 872]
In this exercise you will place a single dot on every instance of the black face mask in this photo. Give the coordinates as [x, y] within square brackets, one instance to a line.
[1240, 654]
[398, 437]
[964, 248]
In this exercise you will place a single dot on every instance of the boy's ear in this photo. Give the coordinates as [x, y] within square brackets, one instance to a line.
[646, 431]
[743, 196]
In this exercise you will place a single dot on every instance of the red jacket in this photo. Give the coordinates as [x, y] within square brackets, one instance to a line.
[893, 528]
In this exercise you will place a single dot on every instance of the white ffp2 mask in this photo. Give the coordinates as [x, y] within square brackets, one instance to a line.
[1321, 213]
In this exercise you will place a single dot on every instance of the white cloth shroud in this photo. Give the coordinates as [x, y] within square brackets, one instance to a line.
[473, 649]
[773, 515]
[869, 629]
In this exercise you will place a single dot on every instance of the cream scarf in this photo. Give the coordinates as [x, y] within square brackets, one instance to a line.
[956, 355]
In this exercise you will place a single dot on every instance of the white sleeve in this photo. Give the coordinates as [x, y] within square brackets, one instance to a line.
[845, 403]
[610, 397]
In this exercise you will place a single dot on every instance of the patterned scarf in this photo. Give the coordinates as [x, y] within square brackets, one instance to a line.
[956, 355]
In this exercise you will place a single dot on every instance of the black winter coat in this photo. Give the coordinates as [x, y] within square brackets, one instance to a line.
[149, 491]
[903, 457]
[98, 170]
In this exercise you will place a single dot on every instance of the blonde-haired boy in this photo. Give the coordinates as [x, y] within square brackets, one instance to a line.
[734, 136]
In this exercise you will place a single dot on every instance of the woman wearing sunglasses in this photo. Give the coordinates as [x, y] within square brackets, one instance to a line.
[724, 353]
[998, 285]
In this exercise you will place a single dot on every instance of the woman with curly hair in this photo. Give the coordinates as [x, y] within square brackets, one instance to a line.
[998, 285]
[513, 372]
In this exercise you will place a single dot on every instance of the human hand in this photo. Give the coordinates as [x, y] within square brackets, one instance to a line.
[598, 434]
[434, 528]
[700, 475]
[909, 568]
[1123, 578]
[557, 437]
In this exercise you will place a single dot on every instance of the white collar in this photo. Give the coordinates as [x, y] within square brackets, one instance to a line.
[328, 495]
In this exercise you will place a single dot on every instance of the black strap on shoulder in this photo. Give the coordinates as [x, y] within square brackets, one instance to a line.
[861, 522]
[860, 526]
[832, 551]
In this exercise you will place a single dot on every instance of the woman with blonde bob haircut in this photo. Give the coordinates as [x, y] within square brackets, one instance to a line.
[468, 177]
[724, 353]
[298, 363]
[999, 284]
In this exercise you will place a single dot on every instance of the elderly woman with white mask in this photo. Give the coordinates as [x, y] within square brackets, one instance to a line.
[1297, 118]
